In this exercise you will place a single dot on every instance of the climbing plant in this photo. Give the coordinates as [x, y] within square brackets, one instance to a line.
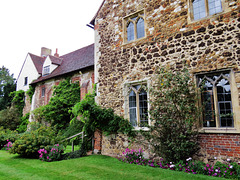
[56, 112]
[95, 117]
[174, 113]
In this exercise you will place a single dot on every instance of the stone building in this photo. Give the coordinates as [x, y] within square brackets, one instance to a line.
[133, 37]
[78, 65]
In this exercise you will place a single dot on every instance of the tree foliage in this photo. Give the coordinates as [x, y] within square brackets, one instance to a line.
[10, 118]
[7, 85]
[56, 112]
[174, 113]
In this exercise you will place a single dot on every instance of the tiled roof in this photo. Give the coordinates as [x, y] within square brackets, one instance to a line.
[55, 60]
[76, 60]
[38, 62]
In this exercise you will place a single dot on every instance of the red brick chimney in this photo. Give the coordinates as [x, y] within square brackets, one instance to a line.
[56, 54]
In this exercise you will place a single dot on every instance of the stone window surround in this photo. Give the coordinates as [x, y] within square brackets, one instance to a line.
[225, 8]
[124, 22]
[235, 107]
[126, 91]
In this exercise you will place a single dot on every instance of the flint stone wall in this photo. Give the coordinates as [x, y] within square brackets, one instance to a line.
[172, 39]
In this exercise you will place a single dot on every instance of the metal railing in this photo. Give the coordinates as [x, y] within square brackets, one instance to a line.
[78, 134]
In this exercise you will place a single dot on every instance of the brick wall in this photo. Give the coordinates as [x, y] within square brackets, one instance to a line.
[221, 145]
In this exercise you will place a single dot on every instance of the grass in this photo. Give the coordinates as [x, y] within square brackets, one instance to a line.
[69, 148]
[89, 167]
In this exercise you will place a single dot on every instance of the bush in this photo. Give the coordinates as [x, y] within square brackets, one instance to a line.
[51, 153]
[38, 138]
[7, 135]
[174, 113]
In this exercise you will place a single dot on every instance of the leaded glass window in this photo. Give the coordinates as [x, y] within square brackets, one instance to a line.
[138, 106]
[216, 100]
[203, 8]
[135, 26]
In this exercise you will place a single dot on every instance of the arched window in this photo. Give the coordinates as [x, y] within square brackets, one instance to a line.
[138, 106]
[135, 28]
[203, 8]
[216, 100]
[130, 31]
[140, 28]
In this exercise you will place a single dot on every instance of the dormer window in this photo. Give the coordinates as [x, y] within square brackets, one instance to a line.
[46, 70]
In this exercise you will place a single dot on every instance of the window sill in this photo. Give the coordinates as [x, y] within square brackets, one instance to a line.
[219, 130]
[140, 128]
[191, 21]
[134, 41]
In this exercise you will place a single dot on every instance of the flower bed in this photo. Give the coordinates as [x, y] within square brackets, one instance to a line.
[227, 169]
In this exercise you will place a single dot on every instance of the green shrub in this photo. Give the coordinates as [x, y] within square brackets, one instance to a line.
[51, 153]
[24, 123]
[30, 142]
[7, 135]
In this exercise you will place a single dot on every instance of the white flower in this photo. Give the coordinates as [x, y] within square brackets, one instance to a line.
[189, 159]
[171, 166]
[215, 157]
[170, 162]
[216, 170]
[228, 159]
[231, 167]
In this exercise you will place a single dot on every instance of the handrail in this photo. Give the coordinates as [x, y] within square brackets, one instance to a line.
[73, 137]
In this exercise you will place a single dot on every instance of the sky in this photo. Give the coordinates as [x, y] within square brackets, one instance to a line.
[28, 25]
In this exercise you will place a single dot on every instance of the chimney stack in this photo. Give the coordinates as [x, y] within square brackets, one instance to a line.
[45, 52]
[56, 54]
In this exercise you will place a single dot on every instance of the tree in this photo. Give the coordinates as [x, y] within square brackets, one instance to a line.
[7, 85]
[174, 112]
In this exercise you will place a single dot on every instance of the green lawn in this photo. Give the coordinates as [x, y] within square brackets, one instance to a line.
[89, 167]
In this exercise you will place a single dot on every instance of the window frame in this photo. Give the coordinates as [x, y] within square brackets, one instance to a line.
[234, 103]
[224, 4]
[127, 19]
[43, 91]
[25, 81]
[126, 93]
[46, 68]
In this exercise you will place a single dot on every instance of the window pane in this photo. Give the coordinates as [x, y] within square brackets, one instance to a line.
[143, 108]
[199, 10]
[130, 31]
[208, 111]
[224, 103]
[140, 28]
[133, 116]
[132, 108]
[214, 6]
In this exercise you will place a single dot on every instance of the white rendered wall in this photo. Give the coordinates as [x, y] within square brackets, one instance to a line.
[48, 62]
[28, 70]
